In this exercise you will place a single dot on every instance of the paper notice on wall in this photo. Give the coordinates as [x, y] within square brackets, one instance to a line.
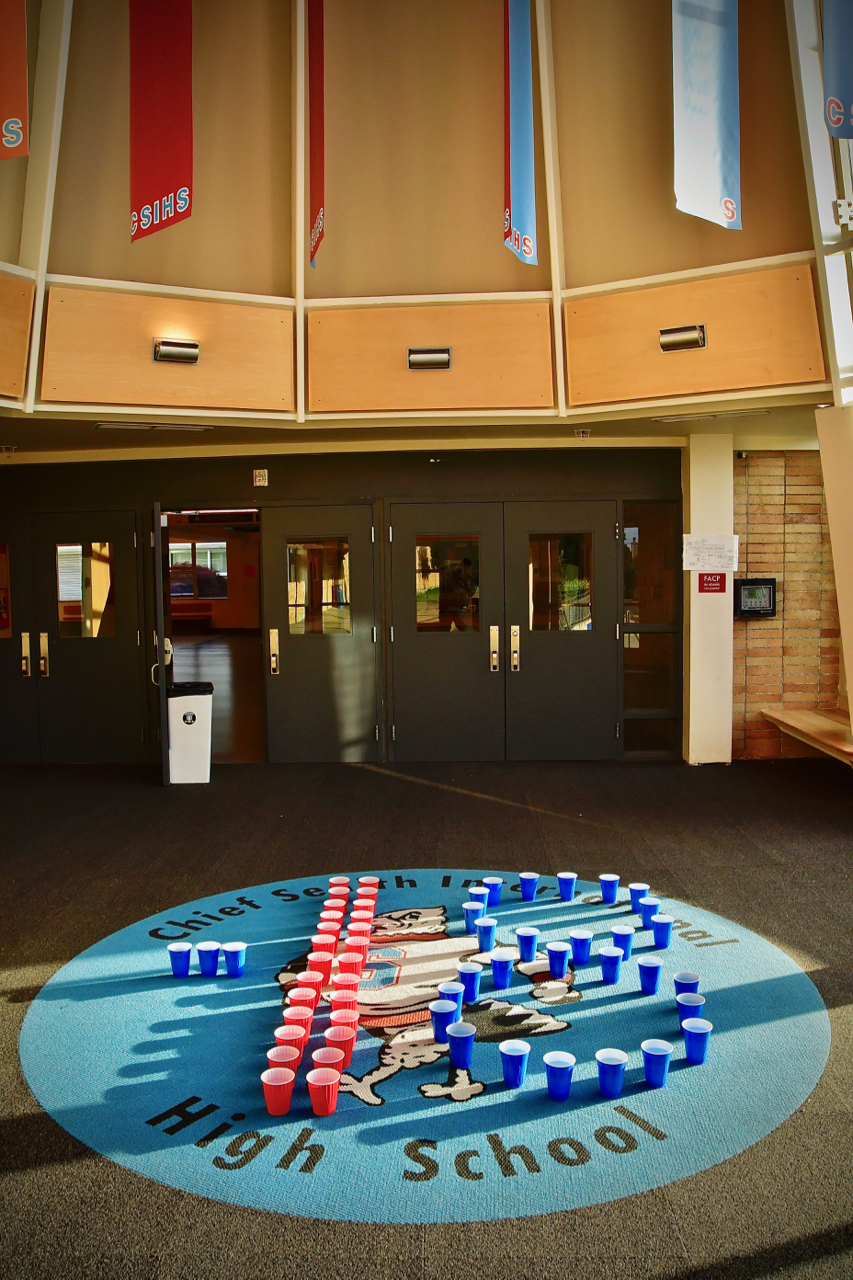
[711, 553]
[14, 104]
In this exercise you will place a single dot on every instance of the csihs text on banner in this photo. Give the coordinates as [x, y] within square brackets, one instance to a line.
[706, 110]
[838, 67]
[316, 124]
[161, 114]
[520, 173]
[14, 106]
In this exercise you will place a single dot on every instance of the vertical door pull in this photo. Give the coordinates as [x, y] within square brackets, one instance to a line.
[514, 661]
[494, 649]
[44, 655]
[275, 670]
[26, 669]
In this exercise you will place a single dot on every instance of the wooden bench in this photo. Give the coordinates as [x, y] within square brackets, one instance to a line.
[827, 731]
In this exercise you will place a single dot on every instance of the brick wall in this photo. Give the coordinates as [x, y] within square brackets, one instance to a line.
[793, 658]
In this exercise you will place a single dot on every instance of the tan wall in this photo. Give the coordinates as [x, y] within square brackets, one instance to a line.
[13, 173]
[415, 152]
[613, 73]
[238, 237]
[793, 658]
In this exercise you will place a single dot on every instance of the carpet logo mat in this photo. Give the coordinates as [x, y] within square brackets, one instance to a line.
[162, 1075]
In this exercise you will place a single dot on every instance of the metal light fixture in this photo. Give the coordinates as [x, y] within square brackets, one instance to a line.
[176, 350]
[429, 357]
[687, 337]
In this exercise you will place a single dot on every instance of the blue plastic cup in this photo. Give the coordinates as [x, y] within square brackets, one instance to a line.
[686, 983]
[623, 938]
[567, 880]
[697, 1036]
[479, 893]
[235, 958]
[558, 1073]
[611, 1071]
[470, 975]
[179, 958]
[611, 965]
[208, 957]
[529, 885]
[452, 991]
[690, 1005]
[637, 891]
[442, 1012]
[502, 969]
[609, 889]
[486, 926]
[460, 1036]
[526, 937]
[514, 1057]
[558, 958]
[656, 1058]
[472, 911]
[649, 907]
[649, 967]
[494, 884]
[662, 930]
[581, 940]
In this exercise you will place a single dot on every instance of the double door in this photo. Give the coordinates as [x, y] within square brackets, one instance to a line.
[504, 631]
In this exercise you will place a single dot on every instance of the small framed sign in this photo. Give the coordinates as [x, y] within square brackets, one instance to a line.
[755, 597]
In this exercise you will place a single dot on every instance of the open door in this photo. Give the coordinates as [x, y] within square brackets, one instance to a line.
[161, 670]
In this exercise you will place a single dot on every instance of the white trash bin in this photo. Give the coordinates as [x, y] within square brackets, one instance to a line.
[190, 715]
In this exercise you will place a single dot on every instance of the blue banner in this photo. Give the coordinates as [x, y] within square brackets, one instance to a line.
[838, 67]
[520, 184]
[706, 110]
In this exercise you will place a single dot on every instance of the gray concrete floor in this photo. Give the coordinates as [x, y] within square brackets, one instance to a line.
[87, 850]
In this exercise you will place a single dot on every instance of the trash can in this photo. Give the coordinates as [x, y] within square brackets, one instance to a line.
[190, 714]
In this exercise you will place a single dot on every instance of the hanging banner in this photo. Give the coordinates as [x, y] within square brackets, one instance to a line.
[519, 174]
[14, 103]
[706, 110]
[316, 124]
[838, 67]
[161, 114]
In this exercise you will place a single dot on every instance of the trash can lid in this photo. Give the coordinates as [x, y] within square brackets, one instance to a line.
[189, 689]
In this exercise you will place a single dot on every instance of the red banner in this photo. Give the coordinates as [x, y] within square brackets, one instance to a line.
[316, 124]
[14, 104]
[161, 114]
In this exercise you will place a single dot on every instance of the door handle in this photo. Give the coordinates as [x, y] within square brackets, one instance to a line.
[494, 649]
[514, 660]
[275, 670]
[44, 655]
[26, 669]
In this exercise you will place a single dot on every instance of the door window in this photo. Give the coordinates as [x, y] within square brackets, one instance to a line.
[560, 578]
[85, 590]
[447, 581]
[318, 587]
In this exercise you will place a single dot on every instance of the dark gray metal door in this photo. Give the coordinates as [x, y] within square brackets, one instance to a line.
[562, 646]
[86, 642]
[320, 644]
[447, 654]
[19, 727]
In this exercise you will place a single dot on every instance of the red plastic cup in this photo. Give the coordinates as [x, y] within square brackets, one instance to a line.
[365, 904]
[330, 917]
[331, 927]
[297, 1015]
[291, 1037]
[341, 1037]
[360, 917]
[278, 1089]
[345, 981]
[321, 961]
[304, 996]
[361, 945]
[323, 1085]
[360, 928]
[370, 882]
[324, 942]
[334, 904]
[344, 1018]
[339, 891]
[311, 978]
[351, 962]
[343, 999]
[339, 880]
[331, 1056]
[284, 1056]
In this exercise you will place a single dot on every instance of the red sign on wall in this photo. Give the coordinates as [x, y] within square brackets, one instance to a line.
[713, 582]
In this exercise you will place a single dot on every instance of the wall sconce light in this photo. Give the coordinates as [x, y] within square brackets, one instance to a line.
[176, 350]
[429, 357]
[687, 337]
